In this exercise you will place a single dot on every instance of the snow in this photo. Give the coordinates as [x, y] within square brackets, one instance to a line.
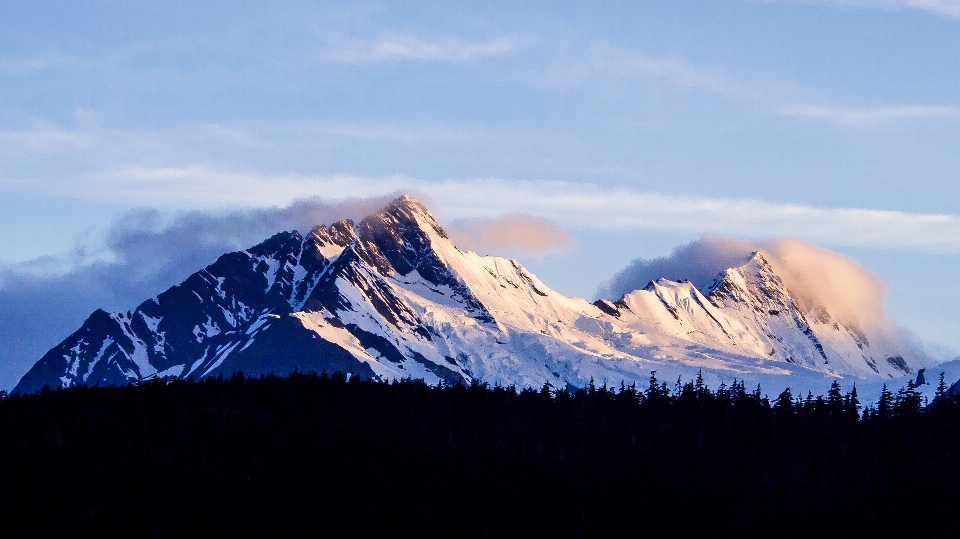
[228, 316]
[90, 366]
[210, 327]
[152, 323]
[172, 372]
[259, 322]
[341, 337]
[221, 354]
[747, 327]
[669, 326]
[139, 353]
[272, 267]
[330, 251]
[198, 362]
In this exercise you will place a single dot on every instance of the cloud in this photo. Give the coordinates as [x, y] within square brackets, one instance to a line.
[672, 70]
[432, 135]
[764, 93]
[145, 253]
[868, 115]
[199, 187]
[411, 48]
[698, 262]
[815, 277]
[514, 233]
[570, 205]
[583, 205]
[45, 140]
[950, 8]
[450, 49]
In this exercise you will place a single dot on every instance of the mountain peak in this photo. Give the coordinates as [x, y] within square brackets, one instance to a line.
[756, 276]
[407, 205]
[392, 297]
[407, 201]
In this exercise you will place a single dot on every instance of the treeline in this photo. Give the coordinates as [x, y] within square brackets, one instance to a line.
[326, 456]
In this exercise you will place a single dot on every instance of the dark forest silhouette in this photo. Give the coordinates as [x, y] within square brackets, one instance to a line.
[320, 455]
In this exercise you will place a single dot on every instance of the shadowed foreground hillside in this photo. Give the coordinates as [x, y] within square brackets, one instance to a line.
[322, 456]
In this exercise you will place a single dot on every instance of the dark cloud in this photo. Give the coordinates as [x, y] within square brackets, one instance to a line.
[144, 254]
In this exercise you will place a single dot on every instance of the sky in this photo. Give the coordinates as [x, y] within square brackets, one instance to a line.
[631, 127]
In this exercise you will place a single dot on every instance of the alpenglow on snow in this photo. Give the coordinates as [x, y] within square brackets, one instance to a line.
[392, 297]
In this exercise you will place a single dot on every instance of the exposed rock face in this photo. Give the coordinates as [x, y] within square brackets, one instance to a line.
[392, 297]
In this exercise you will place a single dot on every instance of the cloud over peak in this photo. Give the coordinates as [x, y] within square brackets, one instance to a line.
[815, 277]
[143, 254]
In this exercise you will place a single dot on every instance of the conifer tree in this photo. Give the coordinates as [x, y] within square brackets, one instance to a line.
[885, 403]
[699, 386]
[783, 404]
[852, 404]
[722, 392]
[834, 399]
[908, 400]
[941, 393]
[654, 391]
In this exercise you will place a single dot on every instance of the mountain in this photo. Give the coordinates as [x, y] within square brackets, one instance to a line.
[392, 297]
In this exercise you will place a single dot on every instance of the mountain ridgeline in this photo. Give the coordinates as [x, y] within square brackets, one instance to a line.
[391, 297]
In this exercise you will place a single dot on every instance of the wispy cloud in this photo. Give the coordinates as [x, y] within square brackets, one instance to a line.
[950, 8]
[45, 140]
[868, 115]
[571, 205]
[672, 70]
[763, 93]
[427, 134]
[580, 205]
[411, 48]
[125, 145]
[201, 187]
[451, 49]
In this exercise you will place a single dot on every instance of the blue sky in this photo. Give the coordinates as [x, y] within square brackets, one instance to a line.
[635, 126]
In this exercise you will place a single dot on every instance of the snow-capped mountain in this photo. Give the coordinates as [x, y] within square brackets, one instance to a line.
[392, 297]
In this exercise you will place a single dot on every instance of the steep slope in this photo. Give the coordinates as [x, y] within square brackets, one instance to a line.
[392, 297]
